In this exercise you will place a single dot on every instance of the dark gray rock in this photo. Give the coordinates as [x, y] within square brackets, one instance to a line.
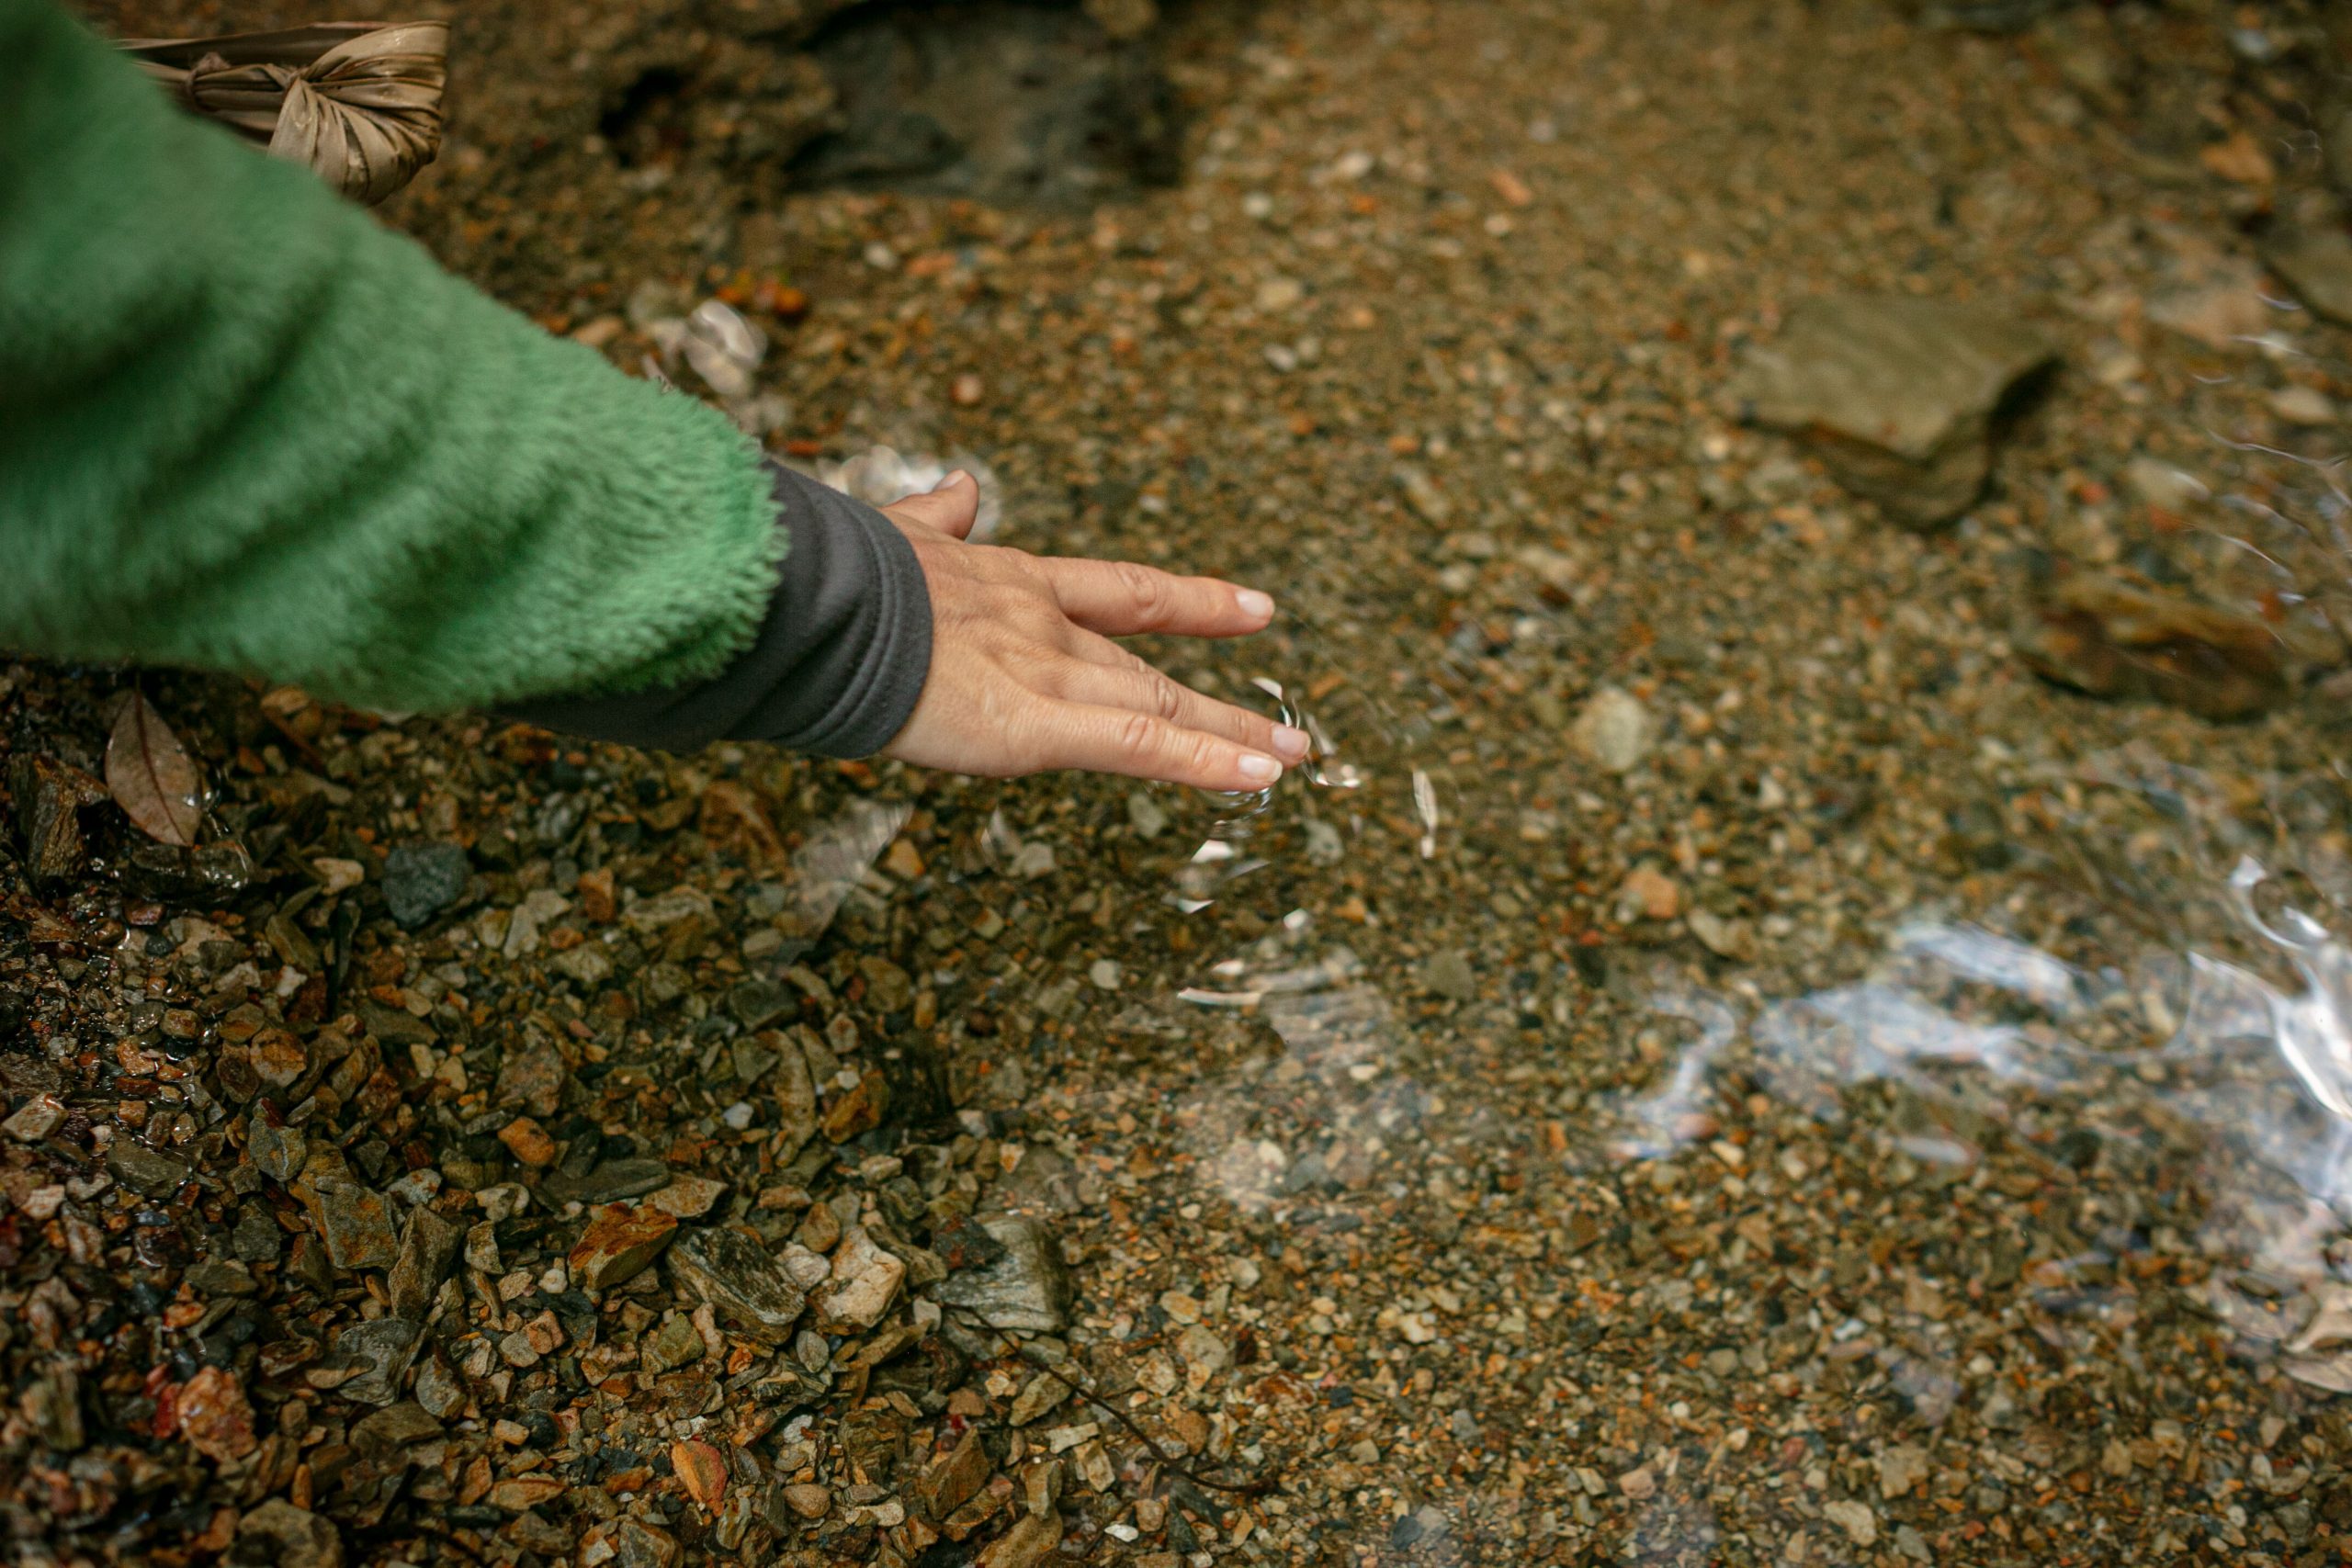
[255, 1239]
[1004, 104]
[422, 880]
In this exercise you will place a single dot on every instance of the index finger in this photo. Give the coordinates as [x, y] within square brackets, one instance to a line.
[1124, 598]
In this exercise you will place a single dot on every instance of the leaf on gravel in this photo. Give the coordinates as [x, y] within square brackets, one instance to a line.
[152, 776]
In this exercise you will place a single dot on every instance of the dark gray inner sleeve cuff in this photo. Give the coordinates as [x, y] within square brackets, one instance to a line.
[838, 663]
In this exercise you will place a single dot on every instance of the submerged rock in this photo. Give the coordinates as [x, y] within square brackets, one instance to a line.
[2110, 638]
[1898, 396]
[2317, 264]
[1614, 730]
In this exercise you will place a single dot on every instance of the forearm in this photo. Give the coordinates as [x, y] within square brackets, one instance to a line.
[244, 427]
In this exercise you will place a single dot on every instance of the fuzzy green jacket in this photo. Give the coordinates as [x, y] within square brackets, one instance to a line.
[244, 427]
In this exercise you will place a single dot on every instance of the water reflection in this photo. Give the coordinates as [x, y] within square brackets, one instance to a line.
[1986, 1035]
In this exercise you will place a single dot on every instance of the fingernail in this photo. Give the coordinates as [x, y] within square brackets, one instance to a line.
[1253, 603]
[949, 482]
[1261, 770]
[1291, 743]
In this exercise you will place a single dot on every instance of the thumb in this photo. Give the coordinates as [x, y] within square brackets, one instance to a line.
[949, 507]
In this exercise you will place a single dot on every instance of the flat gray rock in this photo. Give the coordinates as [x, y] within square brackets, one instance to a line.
[1895, 395]
[383, 1348]
[2317, 264]
[146, 1170]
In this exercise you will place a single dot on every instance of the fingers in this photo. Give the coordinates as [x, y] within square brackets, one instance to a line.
[1121, 599]
[1141, 689]
[949, 507]
[1144, 746]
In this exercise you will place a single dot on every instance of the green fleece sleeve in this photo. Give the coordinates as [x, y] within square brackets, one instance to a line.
[244, 427]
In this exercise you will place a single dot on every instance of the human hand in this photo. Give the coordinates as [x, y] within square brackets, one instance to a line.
[1024, 677]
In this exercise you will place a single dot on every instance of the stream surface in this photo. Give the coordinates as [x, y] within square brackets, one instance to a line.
[1879, 1107]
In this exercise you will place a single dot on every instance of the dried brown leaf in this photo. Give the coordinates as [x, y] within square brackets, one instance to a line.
[152, 776]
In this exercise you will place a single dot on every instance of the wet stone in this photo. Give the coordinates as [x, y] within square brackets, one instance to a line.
[796, 1095]
[640, 1545]
[689, 1197]
[1028, 1290]
[675, 1344]
[1614, 730]
[256, 1237]
[146, 1170]
[610, 1182]
[2112, 638]
[951, 1480]
[422, 880]
[756, 1004]
[533, 1078]
[49, 795]
[1449, 974]
[36, 1119]
[2317, 264]
[395, 1426]
[287, 1536]
[438, 1390]
[863, 1282]
[280, 1152]
[1030, 1541]
[214, 1416]
[428, 1246]
[528, 1141]
[752, 1058]
[860, 1109]
[212, 1278]
[1897, 395]
[355, 1220]
[392, 1028]
[618, 1244]
[732, 1270]
[1040, 1395]
[383, 1349]
[963, 1242]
